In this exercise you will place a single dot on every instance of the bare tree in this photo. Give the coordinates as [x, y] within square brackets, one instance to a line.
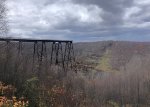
[3, 22]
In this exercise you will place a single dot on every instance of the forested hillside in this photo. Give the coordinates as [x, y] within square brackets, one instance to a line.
[109, 74]
[111, 55]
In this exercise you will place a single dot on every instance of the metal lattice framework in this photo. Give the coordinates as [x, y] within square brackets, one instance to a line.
[48, 52]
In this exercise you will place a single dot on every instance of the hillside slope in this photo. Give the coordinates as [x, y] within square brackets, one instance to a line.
[110, 55]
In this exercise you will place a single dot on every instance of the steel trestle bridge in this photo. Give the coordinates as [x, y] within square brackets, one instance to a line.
[44, 52]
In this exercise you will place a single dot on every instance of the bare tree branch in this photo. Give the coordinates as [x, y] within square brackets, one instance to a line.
[3, 21]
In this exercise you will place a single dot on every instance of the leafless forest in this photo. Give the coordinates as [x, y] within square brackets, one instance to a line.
[109, 74]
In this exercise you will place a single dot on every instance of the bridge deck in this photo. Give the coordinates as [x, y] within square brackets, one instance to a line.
[32, 40]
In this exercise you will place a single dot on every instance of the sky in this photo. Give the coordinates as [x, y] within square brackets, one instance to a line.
[80, 20]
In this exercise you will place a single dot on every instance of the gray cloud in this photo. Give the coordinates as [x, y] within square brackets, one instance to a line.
[113, 9]
[78, 19]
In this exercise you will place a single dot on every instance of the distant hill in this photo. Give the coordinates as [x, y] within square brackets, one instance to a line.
[110, 55]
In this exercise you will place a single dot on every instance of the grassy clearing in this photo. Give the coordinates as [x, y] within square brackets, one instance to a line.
[104, 63]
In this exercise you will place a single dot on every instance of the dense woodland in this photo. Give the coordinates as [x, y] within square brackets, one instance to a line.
[109, 74]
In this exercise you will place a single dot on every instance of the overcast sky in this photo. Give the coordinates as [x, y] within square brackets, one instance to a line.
[80, 20]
